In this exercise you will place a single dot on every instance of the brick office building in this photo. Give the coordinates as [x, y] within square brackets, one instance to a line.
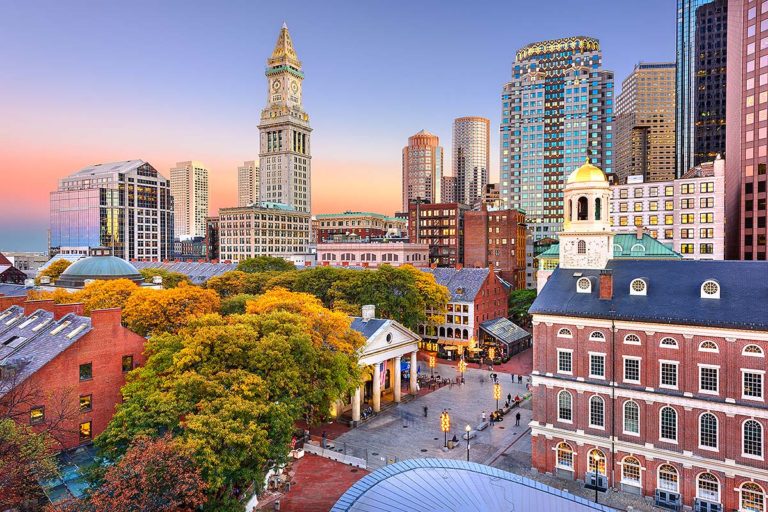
[650, 373]
[441, 226]
[331, 227]
[58, 365]
[496, 238]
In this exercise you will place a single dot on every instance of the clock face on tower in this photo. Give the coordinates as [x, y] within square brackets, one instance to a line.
[294, 87]
[276, 85]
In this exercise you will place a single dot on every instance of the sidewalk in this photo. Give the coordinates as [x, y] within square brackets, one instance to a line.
[520, 364]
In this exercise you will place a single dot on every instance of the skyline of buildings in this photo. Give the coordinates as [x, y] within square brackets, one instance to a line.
[189, 188]
[471, 158]
[557, 112]
[423, 169]
[247, 183]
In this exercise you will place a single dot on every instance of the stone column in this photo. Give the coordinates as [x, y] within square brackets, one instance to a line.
[377, 387]
[398, 377]
[414, 373]
[356, 404]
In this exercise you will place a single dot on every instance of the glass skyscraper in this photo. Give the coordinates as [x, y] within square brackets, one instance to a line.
[125, 206]
[557, 112]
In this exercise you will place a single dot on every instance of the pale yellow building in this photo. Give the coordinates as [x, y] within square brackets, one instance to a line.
[189, 188]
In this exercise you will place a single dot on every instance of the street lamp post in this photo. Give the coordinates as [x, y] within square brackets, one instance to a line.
[431, 366]
[497, 393]
[445, 426]
[491, 354]
[462, 367]
[596, 458]
[467, 429]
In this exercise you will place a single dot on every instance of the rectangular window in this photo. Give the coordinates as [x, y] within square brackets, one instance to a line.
[669, 205]
[669, 190]
[653, 206]
[638, 220]
[564, 361]
[706, 233]
[86, 403]
[37, 415]
[707, 218]
[632, 370]
[686, 248]
[638, 192]
[668, 374]
[86, 371]
[707, 202]
[752, 385]
[669, 220]
[86, 432]
[597, 366]
[653, 220]
[623, 207]
[707, 187]
[623, 193]
[127, 363]
[706, 248]
[687, 204]
[638, 206]
[708, 381]
[687, 218]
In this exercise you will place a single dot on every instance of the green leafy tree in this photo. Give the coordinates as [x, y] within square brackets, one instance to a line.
[170, 279]
[237, 282]
[235, 305]
[265, 264]
[519, 302]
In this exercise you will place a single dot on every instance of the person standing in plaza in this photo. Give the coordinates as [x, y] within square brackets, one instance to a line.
[426, 410]
[483, 417]
[517, 419]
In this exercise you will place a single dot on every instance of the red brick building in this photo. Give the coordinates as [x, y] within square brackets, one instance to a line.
[496, 238]
[64, 370]
[441, 226]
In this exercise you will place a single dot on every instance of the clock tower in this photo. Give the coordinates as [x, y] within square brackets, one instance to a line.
[284, 151]
[586, 241]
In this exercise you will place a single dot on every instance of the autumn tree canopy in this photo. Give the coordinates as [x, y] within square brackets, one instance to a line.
[54, 270]
[148, 311]
[25, 456]
[170, 279]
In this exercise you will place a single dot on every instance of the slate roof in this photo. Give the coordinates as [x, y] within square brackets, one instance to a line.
[367, 329]
[673, 293]
[29, 342]
[69, 257]
[463, 284]
[445, 484]
[197, 272]
[13, 290]
[504, 330]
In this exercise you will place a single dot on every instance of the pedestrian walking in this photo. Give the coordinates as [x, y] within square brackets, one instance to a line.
[517, 419]
[483, 416]
[519, 378]
[425, 411]
[493, 417]
[509, 397]
[324, 440]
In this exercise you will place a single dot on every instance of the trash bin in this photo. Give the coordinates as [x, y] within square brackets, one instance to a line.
[450, 445]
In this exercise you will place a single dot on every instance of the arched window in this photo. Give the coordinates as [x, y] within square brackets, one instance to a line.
[668, 424]
[597, 336]
[596, 412]
[597, 208]
[596, 461]
[466, 334]
[752, 351]
[583, 208]
[752, 498]
[581, 247]
[449, 333]
[564, 456]
[638, 287]
[710, 289]
[564, 333]
[564, 406]
[631, 417]
[442, 332]
[617, 250]
[630, 471]
[708, 430]
[583, 285]
[708, 346]
[708, 487]
[668, 342]
[752, 438]
[668, 478]
[638, 249]
[632, 339]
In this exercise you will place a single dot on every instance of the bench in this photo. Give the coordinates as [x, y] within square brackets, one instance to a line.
[482, 426]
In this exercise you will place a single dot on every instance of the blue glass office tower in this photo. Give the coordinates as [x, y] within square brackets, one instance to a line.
[557, 111]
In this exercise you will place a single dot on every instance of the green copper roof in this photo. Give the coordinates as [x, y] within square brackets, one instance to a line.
[627, 246]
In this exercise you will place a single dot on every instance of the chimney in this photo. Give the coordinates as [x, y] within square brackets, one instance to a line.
[33, 305]
[369, 312]
[108, 319]
[61, 310]
[606, 284]
[639, 232]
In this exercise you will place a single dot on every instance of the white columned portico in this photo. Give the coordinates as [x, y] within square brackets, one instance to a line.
[376, 387]
[356, 405]
[398, 377]
[414, 373]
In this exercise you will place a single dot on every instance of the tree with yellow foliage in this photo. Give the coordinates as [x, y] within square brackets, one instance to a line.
[148, 311]
[54, 270]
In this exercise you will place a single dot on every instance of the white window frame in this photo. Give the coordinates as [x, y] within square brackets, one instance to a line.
[568, 351]
[561, 335]
[639, 369]
[580, 280]
[676, 346]
[558, 406]
[597, 354]
[677, 425]
[717, 433]
[632, 290]
[711, 367]
[594, 338]
[698, 487]
[741, 494]
[762, 440]
[638, 342]
[761, 398]
[715, 350]
[658, 478]
[589, 412]
[677, 374]
[557, 457]
[624, 418]
[635, 483]
[715, 295]
[753, 354]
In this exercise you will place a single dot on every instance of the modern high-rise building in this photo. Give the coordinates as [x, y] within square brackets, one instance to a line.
[189, 188]
[422, 168]
[248, 183]
[448, 189]
[557, 112]
[701, 74]
[645, 123]
[284, 154]
[471, 157]
[746, 177]
[125, 206]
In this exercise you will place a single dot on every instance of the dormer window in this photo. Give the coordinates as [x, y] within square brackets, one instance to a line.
[638, 287]
[710, 289]
[637, 249]
[584, 285]
[617, 250]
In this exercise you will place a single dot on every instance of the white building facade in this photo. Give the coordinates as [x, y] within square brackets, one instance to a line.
[248, 183]
[189, 188]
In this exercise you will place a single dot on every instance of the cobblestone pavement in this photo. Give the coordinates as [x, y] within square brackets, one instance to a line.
[403, 432]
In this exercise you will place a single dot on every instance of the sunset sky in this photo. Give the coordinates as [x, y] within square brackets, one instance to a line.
[84, 82]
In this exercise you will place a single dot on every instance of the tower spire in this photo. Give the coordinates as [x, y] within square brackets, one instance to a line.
[284, 54]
